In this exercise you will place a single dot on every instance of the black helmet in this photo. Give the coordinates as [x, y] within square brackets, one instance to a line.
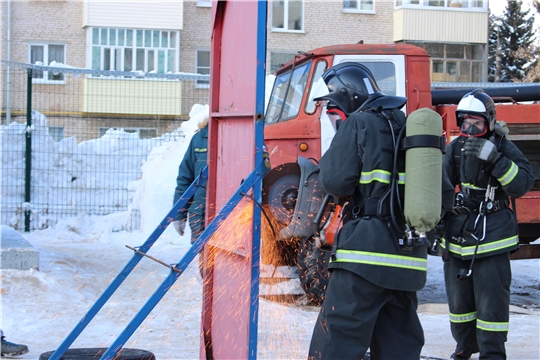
[477, 102]
[350, 85]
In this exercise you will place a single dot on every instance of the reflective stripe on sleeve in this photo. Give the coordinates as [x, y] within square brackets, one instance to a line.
[510, 175]
[462, 318]
[380, 259]
[382, 176]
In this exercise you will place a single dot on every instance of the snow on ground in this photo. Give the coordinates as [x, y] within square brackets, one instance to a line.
[81, 255]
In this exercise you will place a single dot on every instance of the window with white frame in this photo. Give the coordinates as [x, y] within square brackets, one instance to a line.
[203, 67]
[134, 50]
[204, 3]
[288, 15]
[46, 54]
[358, 5]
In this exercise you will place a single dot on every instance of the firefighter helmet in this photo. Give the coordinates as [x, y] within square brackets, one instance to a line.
[477, 102]
[350, 85]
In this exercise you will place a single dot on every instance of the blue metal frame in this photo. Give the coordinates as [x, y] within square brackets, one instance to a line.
[199, 181]
[257, 188]
[252, 179]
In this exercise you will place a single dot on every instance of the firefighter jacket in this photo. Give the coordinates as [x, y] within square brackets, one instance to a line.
[359, 163]
[195, 159]
[492, 222]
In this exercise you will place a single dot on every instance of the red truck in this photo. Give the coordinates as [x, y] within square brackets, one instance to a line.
[298, 131]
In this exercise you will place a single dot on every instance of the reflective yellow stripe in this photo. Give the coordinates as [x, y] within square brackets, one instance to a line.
[509, 176]
[471, 186]
[483, 248]
[492, 326]
[200, 150]
[462, 318]
[380, 259]
[380, 176]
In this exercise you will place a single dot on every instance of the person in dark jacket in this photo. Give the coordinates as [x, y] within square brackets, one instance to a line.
[195, 159]
[481, 232]
[371, 297]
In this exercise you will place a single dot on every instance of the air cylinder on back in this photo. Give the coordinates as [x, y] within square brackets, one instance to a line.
[423, 169]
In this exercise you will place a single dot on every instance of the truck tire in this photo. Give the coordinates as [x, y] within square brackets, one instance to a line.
[312, 263]
[96, 353]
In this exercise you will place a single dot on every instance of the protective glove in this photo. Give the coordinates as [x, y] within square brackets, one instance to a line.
[482, 149]
[180, 226]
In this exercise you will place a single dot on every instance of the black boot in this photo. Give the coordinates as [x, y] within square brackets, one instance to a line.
[462, 354]
[11, 349]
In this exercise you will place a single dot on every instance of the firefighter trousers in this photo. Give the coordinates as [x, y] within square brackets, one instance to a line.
[357, 314]
[480, 305]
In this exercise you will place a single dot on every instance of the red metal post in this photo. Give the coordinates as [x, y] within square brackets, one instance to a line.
[226, 290]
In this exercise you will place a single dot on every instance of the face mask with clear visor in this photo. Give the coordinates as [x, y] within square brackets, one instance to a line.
[472, 125]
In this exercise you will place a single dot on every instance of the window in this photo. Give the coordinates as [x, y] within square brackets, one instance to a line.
[287, 93]
[204, 3]
[358, 5]
[320, 68]
[455, 62]
[45, 54]
[134, 50]
[287, 15]
[143, 133]
[279, 58]
[56, 132]
[477, 5]
[203, 67]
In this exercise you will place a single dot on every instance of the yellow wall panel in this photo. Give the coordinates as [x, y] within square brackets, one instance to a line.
[142, 97]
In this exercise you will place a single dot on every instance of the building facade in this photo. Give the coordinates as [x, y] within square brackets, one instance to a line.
[175, 36]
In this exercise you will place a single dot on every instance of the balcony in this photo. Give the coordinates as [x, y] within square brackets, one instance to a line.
[476, 5]
[457, 21]
[132, 96]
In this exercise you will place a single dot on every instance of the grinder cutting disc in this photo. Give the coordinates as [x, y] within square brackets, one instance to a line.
[280, 191]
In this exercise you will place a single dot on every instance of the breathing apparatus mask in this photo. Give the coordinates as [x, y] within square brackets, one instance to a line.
[472, 125]
[335, 114]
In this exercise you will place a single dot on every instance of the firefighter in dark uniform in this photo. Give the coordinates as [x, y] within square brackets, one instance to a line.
[195, 159]
[371, 298]
[481, 232]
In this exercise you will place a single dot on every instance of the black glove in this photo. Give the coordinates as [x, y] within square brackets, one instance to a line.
[482, 149]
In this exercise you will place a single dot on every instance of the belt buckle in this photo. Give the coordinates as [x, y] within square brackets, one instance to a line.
[492, 206]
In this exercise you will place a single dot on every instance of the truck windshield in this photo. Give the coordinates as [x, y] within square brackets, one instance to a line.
[286, 97]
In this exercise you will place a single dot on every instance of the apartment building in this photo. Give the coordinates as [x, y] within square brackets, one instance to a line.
[174, 36]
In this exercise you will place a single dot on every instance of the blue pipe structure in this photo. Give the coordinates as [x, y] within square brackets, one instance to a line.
[179, 268]
[198, 182]
[257, 188]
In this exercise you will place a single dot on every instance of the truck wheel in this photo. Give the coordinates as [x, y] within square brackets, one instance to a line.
[96, 353]
[312, 263]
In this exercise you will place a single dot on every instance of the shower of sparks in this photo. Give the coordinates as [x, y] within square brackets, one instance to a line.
[227, 256]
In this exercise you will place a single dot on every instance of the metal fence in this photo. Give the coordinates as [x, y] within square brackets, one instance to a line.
[72, 140]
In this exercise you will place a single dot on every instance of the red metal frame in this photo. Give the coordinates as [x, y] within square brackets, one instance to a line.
[226, 318]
